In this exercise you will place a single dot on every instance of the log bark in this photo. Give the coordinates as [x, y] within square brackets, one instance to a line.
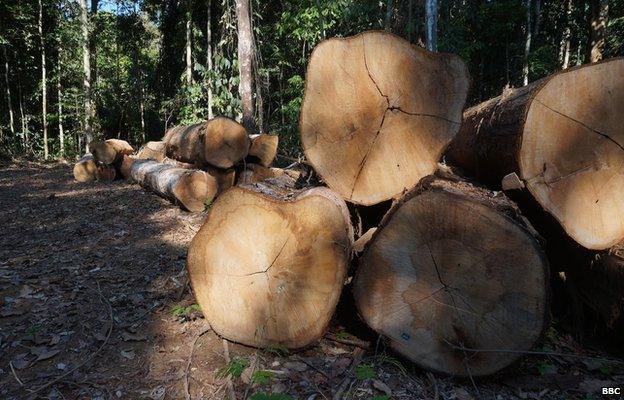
[263, 149]
[436, 279]
[110, 151]
[86, 170]
[152, 151]
[562, 136]
[221, 143]
[378, 113]
[269, 264]
[192, 189]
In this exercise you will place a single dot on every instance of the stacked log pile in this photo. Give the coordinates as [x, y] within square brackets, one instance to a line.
[452, 273]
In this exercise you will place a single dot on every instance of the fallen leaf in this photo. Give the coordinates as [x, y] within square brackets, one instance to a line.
[129, 354]
[133, 337]
[47, 355]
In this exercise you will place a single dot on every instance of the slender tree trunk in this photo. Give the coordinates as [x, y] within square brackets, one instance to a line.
[92, 46]
[60, 104]
[389, 11]
[8, 91]
[599, 10]
[86, 81]
[245, 62]
[527, 45]
[431, 12]
[189, 45]
[25, 140]
[564, 52]
[44, 93]
[209, 57]
[142, 108]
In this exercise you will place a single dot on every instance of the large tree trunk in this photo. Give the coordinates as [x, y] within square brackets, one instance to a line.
[378, 113]
[562, 136]
[245, 62]
[44, 82]
[221, 142]
[193, 189]
[110, 151]
[284, 253]
[599, 10]
[8, 91]
[86, 68]
[431, 16]
[437, 280]
[263, 149]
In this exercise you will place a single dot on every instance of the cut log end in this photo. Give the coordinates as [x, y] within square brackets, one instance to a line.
[109, 151]
[268, 271]
[152, 151]
[378, 113]
[572, 152]
[440, 282]
[263, 149]
[225, 142]
[85, 169]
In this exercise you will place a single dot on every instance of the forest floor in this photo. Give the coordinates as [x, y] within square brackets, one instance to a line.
[94, 304]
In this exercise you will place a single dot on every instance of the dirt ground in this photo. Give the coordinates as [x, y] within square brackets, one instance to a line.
[94, 304]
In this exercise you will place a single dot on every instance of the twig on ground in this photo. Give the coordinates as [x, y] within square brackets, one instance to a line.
[351, 342]
[230, 386]
[92, 356]
[434, 383]
[357, 358]
[253, 369]
[187, 393]
[15, 374]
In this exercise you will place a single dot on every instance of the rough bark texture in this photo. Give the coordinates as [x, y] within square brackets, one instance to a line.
[378, 113]
[221, 143]
[437, 280]
[192, 189]
[152, 151]
[86, 68]
[562, 136]
[110, 151]
[269, 264]
[263, 149]
[245, 62]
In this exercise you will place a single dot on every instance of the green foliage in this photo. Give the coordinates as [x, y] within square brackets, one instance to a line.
[262, 377]
[277, 349]
[269, 396]
[384, 397]
[184, 311]
[233, 369]
[365, 371]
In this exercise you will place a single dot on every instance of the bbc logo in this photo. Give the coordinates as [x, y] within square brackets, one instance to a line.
[611, 391]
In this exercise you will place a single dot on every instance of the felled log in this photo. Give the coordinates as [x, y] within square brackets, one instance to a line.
[152, 151]
[109, 151]
[451, 270]
[221, 143]
[562, 138]
[269, 264]
[263, 149]
[378, 112]
[192, 189]
[86, 170]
